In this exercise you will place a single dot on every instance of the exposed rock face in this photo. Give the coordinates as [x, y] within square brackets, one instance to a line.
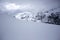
[53, 18]
[49, 17]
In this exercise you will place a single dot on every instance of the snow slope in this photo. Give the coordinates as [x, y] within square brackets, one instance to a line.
[13, 29]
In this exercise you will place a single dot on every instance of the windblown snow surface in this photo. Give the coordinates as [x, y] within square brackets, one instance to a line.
[13, 29]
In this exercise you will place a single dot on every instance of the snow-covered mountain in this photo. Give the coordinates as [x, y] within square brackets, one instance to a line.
[51, 16]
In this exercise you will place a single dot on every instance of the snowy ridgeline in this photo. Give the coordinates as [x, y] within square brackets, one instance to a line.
[51, 16]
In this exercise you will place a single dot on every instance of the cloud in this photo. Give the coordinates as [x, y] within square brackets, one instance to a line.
[38, 5]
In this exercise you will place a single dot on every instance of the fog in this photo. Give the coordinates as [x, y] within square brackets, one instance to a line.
[14, 29]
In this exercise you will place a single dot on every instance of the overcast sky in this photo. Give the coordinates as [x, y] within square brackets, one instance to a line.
[36, 4]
